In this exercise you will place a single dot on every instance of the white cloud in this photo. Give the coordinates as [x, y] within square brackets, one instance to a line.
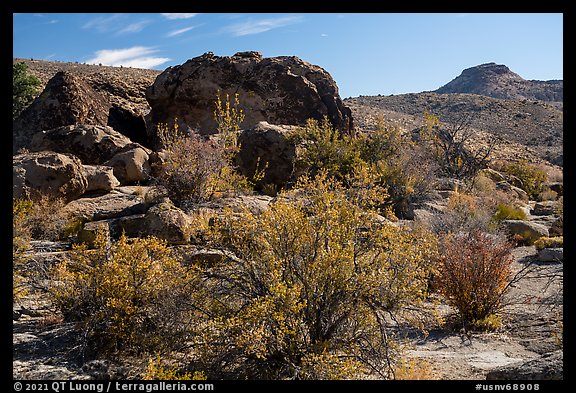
[180, 31]
[137, 56]
[323, 35]
[102, 23]
[134, 27]
[145, 62]
[261, 26]
[178, 16]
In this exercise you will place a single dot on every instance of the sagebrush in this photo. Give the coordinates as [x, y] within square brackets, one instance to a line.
[310, 288]
[130, 295]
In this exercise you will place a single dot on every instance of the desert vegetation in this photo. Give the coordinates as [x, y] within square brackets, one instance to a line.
[326, 277]
[25, 88]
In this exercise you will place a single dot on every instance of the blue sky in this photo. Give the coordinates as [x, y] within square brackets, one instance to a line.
[366, 53]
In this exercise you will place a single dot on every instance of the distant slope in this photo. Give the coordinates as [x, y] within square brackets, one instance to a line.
[498, 81]
[528, 129]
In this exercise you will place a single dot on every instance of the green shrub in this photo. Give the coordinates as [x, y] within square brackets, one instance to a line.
[474, 275]
[531, 176]
[381, 159]
[549, 242]
[507, 212]
[322, 147]
[229, 116]
[24, 88]
[381, 144]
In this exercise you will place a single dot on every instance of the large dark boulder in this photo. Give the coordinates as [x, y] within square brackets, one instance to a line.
[549, 366]
[66, 100]
[278, 90]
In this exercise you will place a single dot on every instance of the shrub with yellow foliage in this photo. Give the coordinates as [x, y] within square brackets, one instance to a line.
[157, 371]
[311, 288]
[131, 295]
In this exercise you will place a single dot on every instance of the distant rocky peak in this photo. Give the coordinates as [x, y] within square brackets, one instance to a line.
[488, 68]
[498, 81]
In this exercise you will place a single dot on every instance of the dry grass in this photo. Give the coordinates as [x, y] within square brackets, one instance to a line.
[414, 369]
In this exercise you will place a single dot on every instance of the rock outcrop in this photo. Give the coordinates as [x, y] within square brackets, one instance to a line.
[111, 205]
[279, 90]
[92, 144]
[66, 100]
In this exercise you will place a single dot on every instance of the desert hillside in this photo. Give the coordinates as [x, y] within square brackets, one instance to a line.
[527, 129]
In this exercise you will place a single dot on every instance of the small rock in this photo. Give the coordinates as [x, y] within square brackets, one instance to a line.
[100, 178]
[104, 370]
[530, 231]
[131, 166]
[557, 227]
[512, 190]
[546, 367]
[167, 222]
[551, 254]
[544, 208]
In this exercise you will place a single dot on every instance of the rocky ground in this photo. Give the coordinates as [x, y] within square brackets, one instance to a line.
[531, 327]
[118, 83]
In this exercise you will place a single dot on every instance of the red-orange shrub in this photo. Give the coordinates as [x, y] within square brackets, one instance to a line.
[474, 274]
